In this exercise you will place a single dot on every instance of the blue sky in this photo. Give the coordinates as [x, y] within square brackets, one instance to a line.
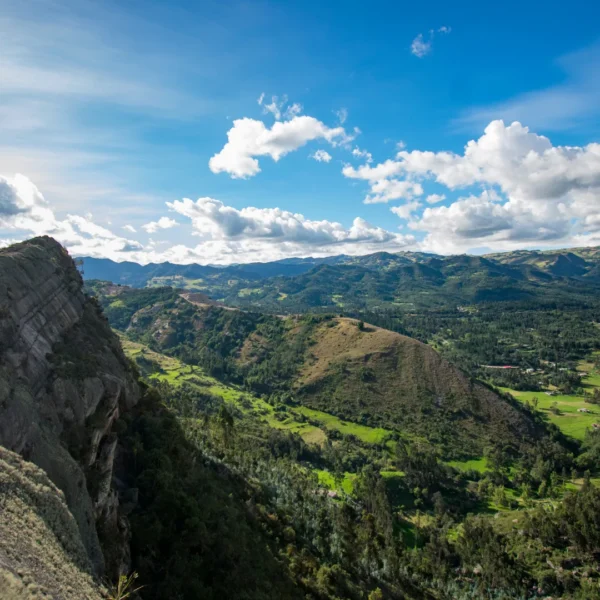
[111, 113]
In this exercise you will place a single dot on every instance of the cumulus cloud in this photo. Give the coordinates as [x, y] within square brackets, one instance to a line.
[227, 234]
[273, 232]
[249, 138]
[321, 156]
[25, 211]
[129, 228]
[435, 198]
[384, 185]
[358, 153]
[535, 192]
[162, 223]
[406, 210]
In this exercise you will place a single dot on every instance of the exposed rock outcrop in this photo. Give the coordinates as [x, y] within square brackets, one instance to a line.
[64, 381]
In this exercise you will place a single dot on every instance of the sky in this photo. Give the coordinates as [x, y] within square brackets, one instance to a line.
[231, 132]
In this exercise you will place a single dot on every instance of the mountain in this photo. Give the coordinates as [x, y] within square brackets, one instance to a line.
[358, 372]
[64, 381]
[97, 477]
[570, 262]
[207, 452]
[404, 281]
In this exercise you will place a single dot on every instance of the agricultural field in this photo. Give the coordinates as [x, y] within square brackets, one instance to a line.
[176, 373]
[564, 410]
[369, 435]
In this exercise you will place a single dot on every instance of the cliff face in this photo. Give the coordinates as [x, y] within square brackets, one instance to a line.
[64, 381]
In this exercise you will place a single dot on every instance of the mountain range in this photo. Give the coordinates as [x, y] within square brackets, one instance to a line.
[403, 281]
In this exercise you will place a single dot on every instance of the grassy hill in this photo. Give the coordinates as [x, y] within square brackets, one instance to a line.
[373, 375]
[360, 373]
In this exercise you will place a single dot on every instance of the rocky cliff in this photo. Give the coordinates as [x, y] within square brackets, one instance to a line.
[64, 382]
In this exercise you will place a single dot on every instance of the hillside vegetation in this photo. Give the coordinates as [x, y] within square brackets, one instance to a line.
[404, 281]
[358, 372]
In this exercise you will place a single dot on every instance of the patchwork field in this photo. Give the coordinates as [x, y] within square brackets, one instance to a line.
[370, 435]
[564, 410]
[176, 373]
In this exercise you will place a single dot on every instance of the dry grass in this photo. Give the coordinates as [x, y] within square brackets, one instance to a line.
[41, 553]
[345, 341]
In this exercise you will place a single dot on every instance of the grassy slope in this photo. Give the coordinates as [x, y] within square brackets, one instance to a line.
[175, 372]
[363, 376]
[399, 383]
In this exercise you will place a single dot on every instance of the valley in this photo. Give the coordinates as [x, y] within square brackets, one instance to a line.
[537, 361]
[431, 454]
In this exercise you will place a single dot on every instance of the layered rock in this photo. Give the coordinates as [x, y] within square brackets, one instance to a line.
[64, 382]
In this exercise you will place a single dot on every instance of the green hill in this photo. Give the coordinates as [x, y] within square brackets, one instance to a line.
[361, 373]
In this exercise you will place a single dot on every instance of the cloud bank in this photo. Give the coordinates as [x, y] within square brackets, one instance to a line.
[522, 190]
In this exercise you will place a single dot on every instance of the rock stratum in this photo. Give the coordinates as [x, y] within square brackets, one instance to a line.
[64, 382]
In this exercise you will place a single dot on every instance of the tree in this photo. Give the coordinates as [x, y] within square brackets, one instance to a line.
[225, 421]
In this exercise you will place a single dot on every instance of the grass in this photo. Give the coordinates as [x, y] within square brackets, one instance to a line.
[248, 292]
[326, 479]
[569, 421]
[176, 373]
[474, 464]
[370, 435]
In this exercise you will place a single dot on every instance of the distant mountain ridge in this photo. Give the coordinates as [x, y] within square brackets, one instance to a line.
[405, 280]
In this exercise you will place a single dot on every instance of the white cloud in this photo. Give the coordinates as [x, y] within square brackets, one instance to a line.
[420, 47]
[405, 211]
[293, 110]
[400, 145]
[384, 186]
[275, 107]
[249, 138]
[342, 115]
[321, 156]
[24, 210]
[213, 220]
[523, 164]
[261, 99]
[162, 223]
[435, 198]
[129, 228]
[227, 234]
[537, 192]
[358, 153]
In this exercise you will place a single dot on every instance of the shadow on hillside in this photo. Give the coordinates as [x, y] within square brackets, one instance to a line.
[193, 534]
